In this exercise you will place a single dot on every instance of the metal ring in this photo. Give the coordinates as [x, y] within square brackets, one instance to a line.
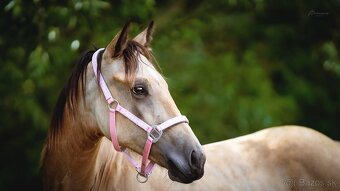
[141, 178]
[155, 133]
[113, 105]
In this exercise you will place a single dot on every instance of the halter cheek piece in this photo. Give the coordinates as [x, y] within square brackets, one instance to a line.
[154, 132]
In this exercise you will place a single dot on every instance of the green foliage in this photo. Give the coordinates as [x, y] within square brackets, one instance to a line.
[233, 67]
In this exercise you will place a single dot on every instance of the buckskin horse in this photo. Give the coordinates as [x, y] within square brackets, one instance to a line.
[116, 108]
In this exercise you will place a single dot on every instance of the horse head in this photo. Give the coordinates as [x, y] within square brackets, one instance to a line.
[126, 66]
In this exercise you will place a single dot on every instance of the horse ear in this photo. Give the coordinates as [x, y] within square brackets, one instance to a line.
[144, 38]
[118, 43]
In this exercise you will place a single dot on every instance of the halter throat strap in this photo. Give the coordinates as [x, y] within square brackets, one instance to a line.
[154, 132]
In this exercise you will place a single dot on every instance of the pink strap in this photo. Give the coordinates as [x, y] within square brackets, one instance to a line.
[130, 158]
[113, 131]
[147, 148]
[133, 118]
[174, 121]
[149, 168]
[102, 83]
[143, 171]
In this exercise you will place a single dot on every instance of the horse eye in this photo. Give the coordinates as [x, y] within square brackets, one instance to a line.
[139, 90]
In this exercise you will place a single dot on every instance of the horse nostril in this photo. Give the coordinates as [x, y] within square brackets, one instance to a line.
[193, 159]
[197, 160]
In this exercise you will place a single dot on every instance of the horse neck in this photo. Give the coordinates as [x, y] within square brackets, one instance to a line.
[79, 154]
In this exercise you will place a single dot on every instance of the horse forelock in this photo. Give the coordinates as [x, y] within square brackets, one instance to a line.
[131, 56]
[69, 95]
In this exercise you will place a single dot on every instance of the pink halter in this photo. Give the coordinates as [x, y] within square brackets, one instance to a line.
[154, 132]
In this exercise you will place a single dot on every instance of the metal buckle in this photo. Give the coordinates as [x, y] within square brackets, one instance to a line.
[141, 178]
[155, 134]
[113, 105]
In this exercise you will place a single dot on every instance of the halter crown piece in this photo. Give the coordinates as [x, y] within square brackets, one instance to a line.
[154, 132]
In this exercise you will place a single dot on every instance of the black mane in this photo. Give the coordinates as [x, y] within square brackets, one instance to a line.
[69, 92]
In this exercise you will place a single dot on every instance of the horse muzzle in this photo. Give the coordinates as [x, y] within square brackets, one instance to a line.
[186, 168]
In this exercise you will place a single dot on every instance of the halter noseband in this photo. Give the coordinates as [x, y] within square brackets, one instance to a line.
[154, 132]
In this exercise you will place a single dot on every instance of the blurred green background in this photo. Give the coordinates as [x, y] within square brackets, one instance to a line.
[233, 66]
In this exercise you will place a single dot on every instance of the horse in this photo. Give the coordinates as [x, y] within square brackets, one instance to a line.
[118, 94]
[79, 154]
